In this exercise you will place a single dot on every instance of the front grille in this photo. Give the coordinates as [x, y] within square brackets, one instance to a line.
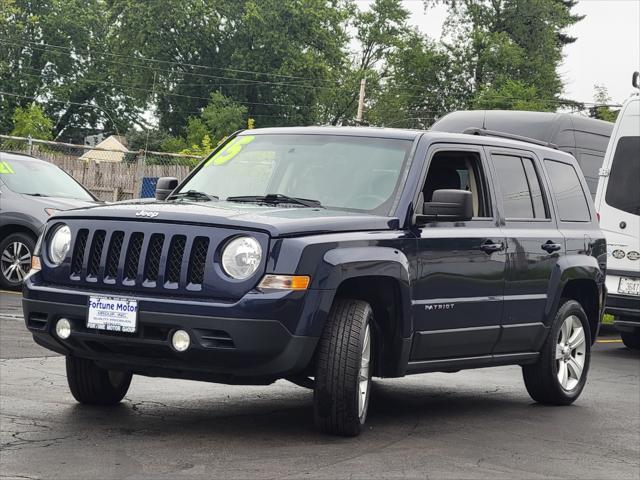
[129, 260]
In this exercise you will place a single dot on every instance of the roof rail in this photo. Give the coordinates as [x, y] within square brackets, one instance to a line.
[510, 136]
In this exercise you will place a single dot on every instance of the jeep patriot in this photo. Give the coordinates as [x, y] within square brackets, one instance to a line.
[328, 256]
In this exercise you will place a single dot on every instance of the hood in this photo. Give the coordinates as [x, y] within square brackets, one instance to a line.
[60, 203]
[275, 220]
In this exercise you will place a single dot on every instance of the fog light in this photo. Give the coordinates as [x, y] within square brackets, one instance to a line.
[63, 328]
[180, 340]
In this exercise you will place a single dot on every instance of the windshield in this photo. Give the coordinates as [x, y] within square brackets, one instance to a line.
[343, 172]
[33, 177]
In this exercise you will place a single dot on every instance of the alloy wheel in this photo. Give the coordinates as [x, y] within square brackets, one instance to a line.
[570, 352]
[364, 379]
[15, 262]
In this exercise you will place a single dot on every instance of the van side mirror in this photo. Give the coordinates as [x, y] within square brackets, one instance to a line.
[447, 206]
[165, 186]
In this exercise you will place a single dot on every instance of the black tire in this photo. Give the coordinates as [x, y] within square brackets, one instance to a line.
[92, 385]
[631, 339]
[541, 378]
[337, 394]
[10, 279]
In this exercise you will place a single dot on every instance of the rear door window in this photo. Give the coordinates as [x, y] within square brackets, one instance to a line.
[623, 190]
[522, 196]
[570, 197]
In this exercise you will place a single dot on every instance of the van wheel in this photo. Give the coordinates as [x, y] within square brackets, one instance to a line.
[631, 339]
[561, 371]
[92, 385]
[343, 371]
[15, 259]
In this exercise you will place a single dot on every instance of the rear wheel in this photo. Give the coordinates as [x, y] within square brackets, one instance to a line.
[631, 339]
[16, 250]
[93, 385]
[561, 371]
[343, 372]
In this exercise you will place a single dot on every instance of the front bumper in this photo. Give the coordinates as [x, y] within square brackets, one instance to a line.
[623, 306]
[230, 343]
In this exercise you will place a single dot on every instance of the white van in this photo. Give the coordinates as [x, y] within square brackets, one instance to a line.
[618, 205]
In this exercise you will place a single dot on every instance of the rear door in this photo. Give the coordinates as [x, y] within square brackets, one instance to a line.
[533, 246]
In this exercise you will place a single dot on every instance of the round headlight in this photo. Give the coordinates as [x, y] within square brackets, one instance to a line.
[59, 244]
[241, 257]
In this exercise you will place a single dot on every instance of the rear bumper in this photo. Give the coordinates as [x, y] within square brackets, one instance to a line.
[244, 349]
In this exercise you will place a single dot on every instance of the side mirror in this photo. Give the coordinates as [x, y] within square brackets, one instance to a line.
[165, 186]
[447, 206]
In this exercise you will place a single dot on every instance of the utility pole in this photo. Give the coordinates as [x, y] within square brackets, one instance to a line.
[363, 84]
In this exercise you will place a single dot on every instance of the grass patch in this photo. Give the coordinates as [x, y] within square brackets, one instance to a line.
[607, 319]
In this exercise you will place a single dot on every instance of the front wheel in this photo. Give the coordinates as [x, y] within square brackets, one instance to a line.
[631, 339]
[16, 250]
[561, 371]
[343, 371]
[92, 385]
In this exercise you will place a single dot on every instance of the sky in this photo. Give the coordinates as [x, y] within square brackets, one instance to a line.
[607, 50]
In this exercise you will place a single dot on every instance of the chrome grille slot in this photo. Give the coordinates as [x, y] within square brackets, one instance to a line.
[133, 257]
[174, 259]
[95, 253]
[197, 260]
[113, 255]
[152, 262]
[78, 251]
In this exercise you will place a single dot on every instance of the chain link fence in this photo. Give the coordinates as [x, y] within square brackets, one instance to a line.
[111, 172]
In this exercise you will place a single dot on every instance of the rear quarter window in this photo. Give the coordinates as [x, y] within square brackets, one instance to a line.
[568, 192]
[623, 188]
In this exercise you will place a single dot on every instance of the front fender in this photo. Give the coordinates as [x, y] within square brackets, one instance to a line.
[341, 264]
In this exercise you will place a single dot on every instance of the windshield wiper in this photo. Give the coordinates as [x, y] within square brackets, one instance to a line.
[37, 195]
[276, 198]
[194, 194]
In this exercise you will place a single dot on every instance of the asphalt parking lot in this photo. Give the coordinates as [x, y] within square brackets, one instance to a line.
[473, 424]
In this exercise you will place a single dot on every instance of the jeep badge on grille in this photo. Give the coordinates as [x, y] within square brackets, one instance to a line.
[146, 214]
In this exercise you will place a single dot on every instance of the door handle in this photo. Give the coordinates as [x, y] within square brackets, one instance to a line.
[551, 247]
[490, 246]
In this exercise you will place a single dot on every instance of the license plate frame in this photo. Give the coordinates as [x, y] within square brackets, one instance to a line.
[629, 286]
[112, 314]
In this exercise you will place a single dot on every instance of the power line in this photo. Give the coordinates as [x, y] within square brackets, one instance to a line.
[170, 62]
[183, 72]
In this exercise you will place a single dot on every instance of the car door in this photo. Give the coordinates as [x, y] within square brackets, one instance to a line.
[533, 246]
[461, 265]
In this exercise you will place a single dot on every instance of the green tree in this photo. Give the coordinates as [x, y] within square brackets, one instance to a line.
[496, 41]
[512, 95]
[379, 32]
[55, 50]
[601, 109]
[271, 56]
[31, 121]
[418, 86]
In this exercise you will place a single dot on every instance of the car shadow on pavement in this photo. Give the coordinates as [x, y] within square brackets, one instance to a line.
[395, 407]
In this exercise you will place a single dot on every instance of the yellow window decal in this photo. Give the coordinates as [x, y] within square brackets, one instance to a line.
[5, 167]
[231, 150]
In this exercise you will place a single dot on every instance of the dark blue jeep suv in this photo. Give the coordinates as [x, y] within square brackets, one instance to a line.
[327, 256]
